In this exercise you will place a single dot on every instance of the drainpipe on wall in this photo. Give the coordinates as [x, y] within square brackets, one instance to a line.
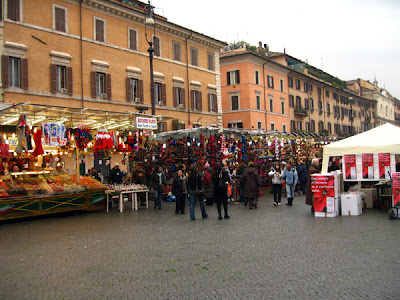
[187, 74]
[81, 40]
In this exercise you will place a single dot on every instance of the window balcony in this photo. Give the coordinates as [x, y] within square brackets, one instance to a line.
[300, 112]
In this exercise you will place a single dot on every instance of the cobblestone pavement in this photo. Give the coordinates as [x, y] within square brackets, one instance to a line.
[265, 253]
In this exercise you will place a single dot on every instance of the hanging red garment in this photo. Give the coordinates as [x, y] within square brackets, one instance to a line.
[37, 137]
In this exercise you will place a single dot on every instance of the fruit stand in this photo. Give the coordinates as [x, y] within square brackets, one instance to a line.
[27, 194]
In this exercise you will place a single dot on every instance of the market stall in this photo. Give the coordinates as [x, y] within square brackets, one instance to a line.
[368, 157]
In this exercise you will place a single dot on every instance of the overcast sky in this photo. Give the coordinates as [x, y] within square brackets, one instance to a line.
[346, 38]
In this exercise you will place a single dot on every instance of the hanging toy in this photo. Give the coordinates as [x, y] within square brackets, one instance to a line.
[37, 138]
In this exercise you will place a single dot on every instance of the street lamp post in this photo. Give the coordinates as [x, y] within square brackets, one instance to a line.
[148, 23]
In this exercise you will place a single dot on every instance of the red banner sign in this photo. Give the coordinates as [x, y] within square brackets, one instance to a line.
[384, 165]
[323, 189]
[396, 188]
[368, 165]
[350, 166]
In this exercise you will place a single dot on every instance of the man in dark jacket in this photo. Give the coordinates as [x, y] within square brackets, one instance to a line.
[251, 185]
[240, 171]
[303, 175]
[314, 168]
[115, 175]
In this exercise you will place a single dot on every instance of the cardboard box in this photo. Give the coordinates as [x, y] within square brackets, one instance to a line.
[351, 204]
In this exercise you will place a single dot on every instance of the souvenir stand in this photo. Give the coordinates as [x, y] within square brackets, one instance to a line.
[42, 151]
[368, 158]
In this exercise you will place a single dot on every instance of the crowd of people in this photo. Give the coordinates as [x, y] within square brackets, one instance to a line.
[208, 184]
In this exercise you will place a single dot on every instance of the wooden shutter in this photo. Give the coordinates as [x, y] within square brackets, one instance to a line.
[192, 99]
[228, 78]
[215, 103]
[132, 40]
[183, 97]
[53, 78]
[200, 101]
[141, 96]
[60, 19]
[156, 45]
[128, 89]
[164, 94]
[164, 127]
[69, 81]
[13, 10]
[175, 96]
[175, 124]
[99, 30]
[5, 71]
[24, 74]
[209, 102]
[237, 76]
[108, 86]
[93, 84]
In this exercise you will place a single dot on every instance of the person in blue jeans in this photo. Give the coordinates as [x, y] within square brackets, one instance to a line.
[194, 180]
[290, 176]
[158, 180]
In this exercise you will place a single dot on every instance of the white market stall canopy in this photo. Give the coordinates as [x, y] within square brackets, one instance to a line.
[382, 139]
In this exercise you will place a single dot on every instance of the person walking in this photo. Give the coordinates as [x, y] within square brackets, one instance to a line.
[179, 190]
[240, 171]
[251, 185]
[195, 185]
[158, 181]
[314, 168]
[220, 179]
[303, 174]
[276, 174]
[290, 176]
[208, 185]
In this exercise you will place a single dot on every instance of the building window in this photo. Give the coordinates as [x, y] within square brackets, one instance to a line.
[14, 69]
[196, 100]
[327, 94]
[179, 98]
[329, 127]
[13, 10]
[234, 102]
[290, 81]
[307, 126]
[61, 79]
[319, 91]
[235, 125]
[306, 104]
[271, 105]
[134, 83]
[257, 77]
[283, 107]
[194, 55]
[311, 104]
[60, 18]
[298, 102]
[100, 85]
[328, 108]
[99, 30]
[233, 77]
[282, 87]
[299, 126]
[292, 125]
[157, 46]
[312, 126]
[297, 84]
[212, 102]
[210, 61]
[291, 100]
[310, 88]
[258, 102]
[272, 126]
[132, 39]
[158, 93]
[284, 127]
[270, 81]
[176, 50]
[305, 87]
[320, 106]
[259, 125]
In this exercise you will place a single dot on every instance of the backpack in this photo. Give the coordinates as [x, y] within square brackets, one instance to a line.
[221, 182]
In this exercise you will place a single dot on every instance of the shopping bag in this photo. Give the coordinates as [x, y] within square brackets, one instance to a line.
[229, 189]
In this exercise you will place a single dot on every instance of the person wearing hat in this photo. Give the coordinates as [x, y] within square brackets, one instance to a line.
[115, 175]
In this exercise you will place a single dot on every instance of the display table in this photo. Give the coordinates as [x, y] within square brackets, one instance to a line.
[133, 198]
[384, 194]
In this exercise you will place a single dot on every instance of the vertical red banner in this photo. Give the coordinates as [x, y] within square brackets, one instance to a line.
[384, 165]
[396, 188]
[350, 166]
[368, 165]
[323, 190]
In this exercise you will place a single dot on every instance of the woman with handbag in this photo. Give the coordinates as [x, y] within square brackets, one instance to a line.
[221, 178]
[195, 185]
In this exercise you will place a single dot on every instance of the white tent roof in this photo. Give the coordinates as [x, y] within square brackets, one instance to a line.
[382, 139]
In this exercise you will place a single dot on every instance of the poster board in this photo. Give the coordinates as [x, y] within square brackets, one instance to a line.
[375, 165]
[323, 190]
[396, 188]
